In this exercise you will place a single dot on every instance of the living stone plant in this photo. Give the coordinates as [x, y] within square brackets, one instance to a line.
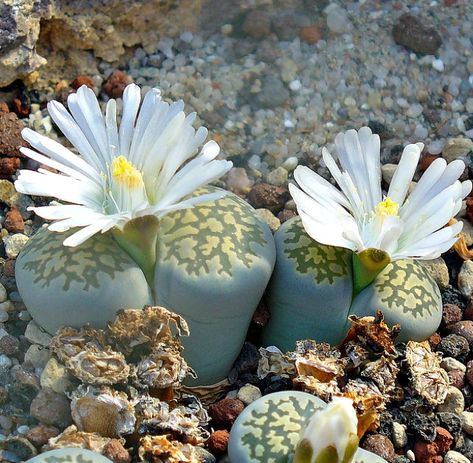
[140, 227]
[69, 455]
[297, 427]
[354, 250]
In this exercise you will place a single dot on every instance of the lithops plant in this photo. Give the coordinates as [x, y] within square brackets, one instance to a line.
[142, 228]
[69, 455]
[353, 250]
[296, 427]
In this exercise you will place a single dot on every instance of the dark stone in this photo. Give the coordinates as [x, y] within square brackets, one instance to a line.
[454, 346]
[411, 32]
[274, 383]
[451, 313]
[248, 359]
[380, 445]
[273, 93]
[225, 411]
[268, 196]
[453, 296]
[10, 135]
[451, 422]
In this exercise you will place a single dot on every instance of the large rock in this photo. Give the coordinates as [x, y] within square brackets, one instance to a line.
[70, 32]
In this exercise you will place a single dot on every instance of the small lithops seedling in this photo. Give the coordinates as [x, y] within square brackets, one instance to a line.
[296, 427]
[69, 455]
[351, 249]
[141, 227]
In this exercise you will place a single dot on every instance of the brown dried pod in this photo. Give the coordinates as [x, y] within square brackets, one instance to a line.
[146, 329]
[68, 341]
[99, 366]
[383, 372]
[159, 449]
[373, 333]
[184, 422]
[429, 380]
[161, 369]
[71, 437]
[103, 411]
[273, 361]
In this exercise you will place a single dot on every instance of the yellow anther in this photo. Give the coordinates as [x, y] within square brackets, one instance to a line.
[126, 173]
[387, 207]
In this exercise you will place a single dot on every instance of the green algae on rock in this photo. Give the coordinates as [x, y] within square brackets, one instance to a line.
[270, 428]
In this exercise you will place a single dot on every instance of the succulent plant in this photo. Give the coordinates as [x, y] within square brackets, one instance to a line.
[142, 228]
[351, 251]
[69, 455]
[296, 427]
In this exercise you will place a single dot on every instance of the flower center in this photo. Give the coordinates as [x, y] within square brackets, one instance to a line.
[125, 173]
[387, 207]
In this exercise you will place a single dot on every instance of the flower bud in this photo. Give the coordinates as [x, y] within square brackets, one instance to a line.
[331, 435]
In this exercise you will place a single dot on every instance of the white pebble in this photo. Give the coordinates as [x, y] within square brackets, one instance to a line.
[5, 362]
[23, 429]
[421, 132]
[414, 110]
[3, 293]
[3, 316]
[290, 163]
[438, 65]
[436, 147]
[295, 85]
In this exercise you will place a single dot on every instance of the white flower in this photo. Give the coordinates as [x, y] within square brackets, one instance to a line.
[359, 217]
[141, 168]
[331, 435]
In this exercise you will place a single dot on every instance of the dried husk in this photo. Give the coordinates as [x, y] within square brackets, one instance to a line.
[103, 411]
[273, 361]
[160, 449]
[71, 437]
[428, 379]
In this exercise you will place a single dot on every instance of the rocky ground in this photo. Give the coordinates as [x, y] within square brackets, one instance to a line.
[274, 85]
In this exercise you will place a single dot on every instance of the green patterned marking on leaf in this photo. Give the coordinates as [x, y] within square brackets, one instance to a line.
[273, 430]
[212, 237]
[326, 263]
[407, 286]
[48, 259]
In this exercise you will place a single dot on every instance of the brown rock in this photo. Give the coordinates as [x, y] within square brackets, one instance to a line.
[457, 378]
[8, 166]
[3, 395]
[10, 135]
[264, 195]
[310, 34]
[51, 408]
[426, 160]
[468, 314]
[9, 267]
[434, 340]
[21, 109]
[443, 440]
[82, 80]
[116, 83]
[469, 372]
[4, 107]
[226, 411]
[451, 313]
[14, 221]
[115, 451]
[380, 445]
[463, 328]
[9, 345]
[469, 208]
[39, 435]
[412, 33]
[257, 24]
[426, 452]
[218, 442]
[285, 215]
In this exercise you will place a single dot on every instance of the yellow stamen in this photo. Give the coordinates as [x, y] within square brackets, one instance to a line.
[387, 207]
[126, 173]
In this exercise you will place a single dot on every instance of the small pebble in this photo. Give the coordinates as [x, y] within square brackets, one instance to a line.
[218, 442]
[451, 364]
[454, 401]
[455, 457]
[264, 195]
[51, 408]
[467, 422]
[39, 435]
[278, 177]
[14, 244]
[465, 278]
[399, 435]
[380, 445]
[463, 328]
[5, 362]
[453, 345]
[438, 65]
[226, 411]
[248, 394]
[273, 222]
